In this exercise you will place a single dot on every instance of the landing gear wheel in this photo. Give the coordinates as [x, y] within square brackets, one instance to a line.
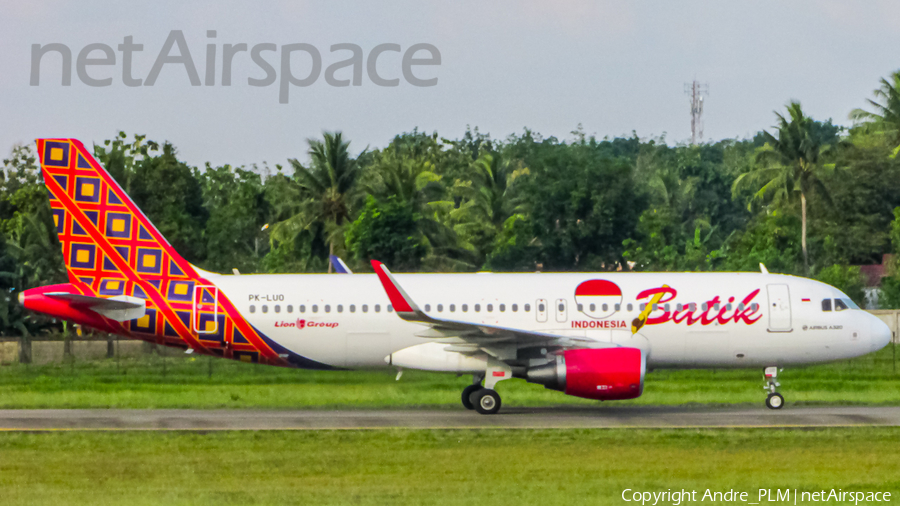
[467, 395]
[775, 401]
[487, 401]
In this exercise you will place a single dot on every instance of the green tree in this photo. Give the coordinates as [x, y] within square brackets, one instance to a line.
[488, 197]
[792, 163]
[387, 230]
[235, 200]
[169, 192]
[406, 171]
[886, 116]
[582, 203]
[328, 190]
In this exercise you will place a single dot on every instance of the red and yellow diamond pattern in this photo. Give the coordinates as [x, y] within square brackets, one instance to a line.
[111, 249]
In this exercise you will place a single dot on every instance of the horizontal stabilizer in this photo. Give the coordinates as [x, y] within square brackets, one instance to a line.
[119, 308]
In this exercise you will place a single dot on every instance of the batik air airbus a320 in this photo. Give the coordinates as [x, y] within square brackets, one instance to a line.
[591, 335]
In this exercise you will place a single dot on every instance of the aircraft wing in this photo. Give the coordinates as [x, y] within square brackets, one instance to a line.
[475, 333]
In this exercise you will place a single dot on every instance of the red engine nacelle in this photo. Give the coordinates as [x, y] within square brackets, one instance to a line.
[605, 374]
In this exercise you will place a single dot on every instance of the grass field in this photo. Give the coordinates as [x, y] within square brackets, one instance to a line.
[201, 382]
[435, 467]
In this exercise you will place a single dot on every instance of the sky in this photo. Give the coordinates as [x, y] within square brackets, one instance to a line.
[612, 67]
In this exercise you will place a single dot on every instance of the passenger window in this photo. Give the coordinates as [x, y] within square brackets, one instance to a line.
[580, 307]
[678, 307]
[352, 308]
[605, 307]
[265, 308]
[754, 306]
[527, 308]
[477, 307]
[630, 307]
[741, 306]
[390, 308]
[340, 308]
[643, 306]
[277, 308]
[465, 308]
[290, 308]
[377, 308]
[252, 308]
[440, 308]
[715, 307]
[490, 308]
[618, 307]
[562, 307]
[452, 308]
[302, 308]
[839, 305]
[515, 307]
[315, 308]
[502, 307]
[705, 306]
[728, 307]
[365, 308]
[541, 308]
[427, 307]
[327, 308]
[593, 307]
[666, 307]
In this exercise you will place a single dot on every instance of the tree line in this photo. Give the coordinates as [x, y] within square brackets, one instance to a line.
[804, 197]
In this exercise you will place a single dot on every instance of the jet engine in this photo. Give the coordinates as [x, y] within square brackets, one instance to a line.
[604, 374]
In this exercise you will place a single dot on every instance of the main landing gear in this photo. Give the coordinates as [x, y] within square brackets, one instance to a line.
[774, 400]
[483, 400]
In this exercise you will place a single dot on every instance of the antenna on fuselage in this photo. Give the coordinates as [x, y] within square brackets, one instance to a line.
[762, 268]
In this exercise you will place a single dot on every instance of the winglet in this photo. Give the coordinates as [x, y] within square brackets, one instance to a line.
[339, 266]
[402, 303]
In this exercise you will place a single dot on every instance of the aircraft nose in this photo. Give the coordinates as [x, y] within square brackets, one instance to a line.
[880, 334]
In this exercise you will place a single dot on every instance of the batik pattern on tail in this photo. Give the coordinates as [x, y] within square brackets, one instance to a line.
[111, 248]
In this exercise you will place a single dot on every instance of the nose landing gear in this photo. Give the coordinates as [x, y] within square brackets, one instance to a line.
[774, 400]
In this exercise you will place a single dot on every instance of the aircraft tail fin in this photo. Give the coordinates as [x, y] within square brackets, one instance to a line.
[108, 243]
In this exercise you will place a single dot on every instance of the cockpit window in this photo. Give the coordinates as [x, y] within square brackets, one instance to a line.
[850, 303]
[840, 305]
[826, 304]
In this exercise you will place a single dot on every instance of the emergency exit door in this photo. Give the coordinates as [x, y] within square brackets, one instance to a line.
[779, 308]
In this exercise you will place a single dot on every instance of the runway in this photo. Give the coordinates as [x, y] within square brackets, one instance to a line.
[509, 418]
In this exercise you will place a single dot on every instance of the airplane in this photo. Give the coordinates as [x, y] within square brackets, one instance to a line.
[592, 335]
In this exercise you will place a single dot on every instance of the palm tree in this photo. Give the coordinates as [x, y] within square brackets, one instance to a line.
[408, 174]
[887, 110]
[791, 164]
[328, 189]
[490, 197]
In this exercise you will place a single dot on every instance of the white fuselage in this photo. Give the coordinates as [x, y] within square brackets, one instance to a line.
[749, 319]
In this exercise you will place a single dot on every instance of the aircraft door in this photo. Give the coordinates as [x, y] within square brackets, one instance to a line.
[540, 310]
[779, 308]
[561, 311]
[205, 318]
